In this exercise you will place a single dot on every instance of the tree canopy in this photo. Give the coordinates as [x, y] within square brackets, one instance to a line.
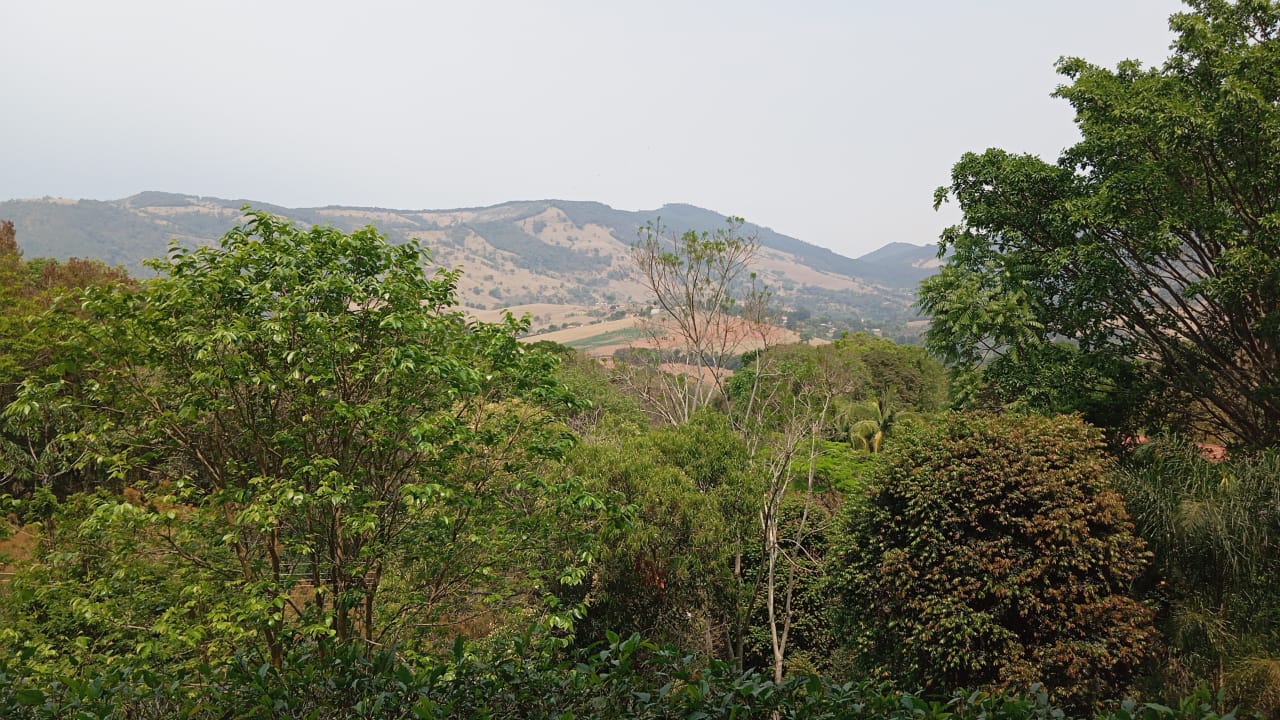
[290, 477]
[32, 293]
[366, 453]
[1155, 240]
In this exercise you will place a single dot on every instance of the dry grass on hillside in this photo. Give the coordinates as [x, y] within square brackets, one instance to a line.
[544, 313]
[606, 338]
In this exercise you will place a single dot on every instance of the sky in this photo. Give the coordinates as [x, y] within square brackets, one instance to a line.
[831, 121]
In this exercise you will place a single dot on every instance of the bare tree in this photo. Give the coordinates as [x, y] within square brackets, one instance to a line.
[710, 308]
[695, 281]
[783, 403]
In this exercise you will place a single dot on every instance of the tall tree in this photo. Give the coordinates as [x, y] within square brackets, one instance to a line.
[368, 455]
[704, 320]
[1154, 240]
[690, 494]
[783, 404]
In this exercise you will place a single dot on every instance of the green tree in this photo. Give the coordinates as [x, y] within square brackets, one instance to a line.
[370, 458]
[784, 403]
[990, 552]
[1155, 239]
[710, 309]
[873, 421]
[101, 590]
[33, 294]
[674, 571]
[600, 407]
[1059, 378]
[918, 382]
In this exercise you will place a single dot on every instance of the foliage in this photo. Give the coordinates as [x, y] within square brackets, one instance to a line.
[918, 382]
[839, 467]
[674, 572]
[32, 293]
[806, 521]
[625, 678]
[1157, 237]
[102, 589]
[309, 419]
[1059, 378]
[780, 384]
[709, 307]
[872, 421]
[990, 552]
[599, 407]
[704, 319]
[783, 403]
[882, 383]
[1215, 531]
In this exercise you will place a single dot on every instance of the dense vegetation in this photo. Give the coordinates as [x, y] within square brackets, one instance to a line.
[1155, 239]
[993, 553]
[286, 477]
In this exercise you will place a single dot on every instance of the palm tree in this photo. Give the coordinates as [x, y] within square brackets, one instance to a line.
[873, 420]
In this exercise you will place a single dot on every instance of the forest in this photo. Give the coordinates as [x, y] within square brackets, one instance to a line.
[287, 477]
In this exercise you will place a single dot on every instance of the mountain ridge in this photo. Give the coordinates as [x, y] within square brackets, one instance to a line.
[511, 253]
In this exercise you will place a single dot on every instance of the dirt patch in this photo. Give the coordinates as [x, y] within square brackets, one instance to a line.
[603, 339]
[17, 545]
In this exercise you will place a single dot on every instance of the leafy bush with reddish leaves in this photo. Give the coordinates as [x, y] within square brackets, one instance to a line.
[990, 551]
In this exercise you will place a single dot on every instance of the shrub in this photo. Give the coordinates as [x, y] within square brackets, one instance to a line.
[990, 552]
[624, 680]
[1215, 530]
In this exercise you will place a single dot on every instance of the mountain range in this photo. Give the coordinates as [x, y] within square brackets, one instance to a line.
[549, 252]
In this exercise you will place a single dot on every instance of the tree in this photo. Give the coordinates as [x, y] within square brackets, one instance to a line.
[991, 552]
[670, 573]
[100, 590]
[33, 294]
[917, 381]
[369, 457]
[782, 405]
[873, 420]
[600, 407]
[709, 310]
[1152, 241]
[704, 321]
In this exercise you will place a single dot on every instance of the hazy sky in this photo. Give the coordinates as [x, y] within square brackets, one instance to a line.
[829, 121]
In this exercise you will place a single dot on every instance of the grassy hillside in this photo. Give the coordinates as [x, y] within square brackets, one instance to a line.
[550, 251]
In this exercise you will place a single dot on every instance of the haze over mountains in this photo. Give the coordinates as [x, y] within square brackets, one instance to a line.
[512, 254]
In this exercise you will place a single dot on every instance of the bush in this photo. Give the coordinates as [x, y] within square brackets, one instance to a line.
[687, 493]
[991, 553]
[624, 680]
[1215, 530]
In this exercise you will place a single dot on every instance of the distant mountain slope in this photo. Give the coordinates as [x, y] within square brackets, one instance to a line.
[899, 264]
[547, 251]
[688, 217]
